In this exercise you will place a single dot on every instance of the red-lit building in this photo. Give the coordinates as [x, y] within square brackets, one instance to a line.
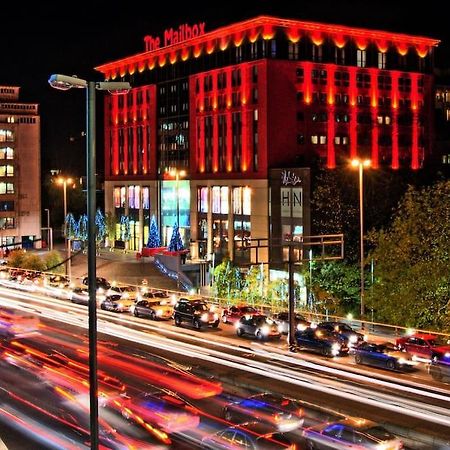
[241, 109]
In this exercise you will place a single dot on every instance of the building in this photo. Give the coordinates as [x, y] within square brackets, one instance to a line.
[20, 170]
[244, 110]
[442, 110]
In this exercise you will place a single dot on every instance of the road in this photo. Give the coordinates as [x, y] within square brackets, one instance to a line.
[411, 405]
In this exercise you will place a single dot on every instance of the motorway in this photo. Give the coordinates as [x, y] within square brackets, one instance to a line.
[143, 354]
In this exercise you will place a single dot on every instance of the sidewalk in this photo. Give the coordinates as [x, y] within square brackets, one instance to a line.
[121, 267]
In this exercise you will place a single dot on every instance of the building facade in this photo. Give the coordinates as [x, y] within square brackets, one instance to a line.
[228, 107]
[20, 170]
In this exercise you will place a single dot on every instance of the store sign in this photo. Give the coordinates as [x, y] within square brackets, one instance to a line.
[173, 36]
[289, 178]
[292, 202]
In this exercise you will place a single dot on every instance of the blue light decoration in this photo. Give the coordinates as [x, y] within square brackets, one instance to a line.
[153, 237]
[82, 228]
[70, 227]
[176, 243]
[125, 232]
[100, 226]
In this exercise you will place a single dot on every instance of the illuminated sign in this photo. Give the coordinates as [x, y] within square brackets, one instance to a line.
[174, 36]
[288, 177]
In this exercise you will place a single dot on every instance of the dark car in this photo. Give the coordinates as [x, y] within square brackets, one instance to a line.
[282, 319]
[351, 336]
[248, 436]
[357, 434]
[195, 312]
[321, 341]
[439, 367]
[425, 347]
[234, 313]
[257, 325]
[386, 356]
[261, 409]
[101, 283]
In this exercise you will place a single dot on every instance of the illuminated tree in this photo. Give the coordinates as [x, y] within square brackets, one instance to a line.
[100, 226]
[125, 232]
[70, 227]
[82, 234]
[176, 243]
[153, 237]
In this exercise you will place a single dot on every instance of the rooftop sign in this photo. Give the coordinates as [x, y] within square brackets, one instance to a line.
[174, 36]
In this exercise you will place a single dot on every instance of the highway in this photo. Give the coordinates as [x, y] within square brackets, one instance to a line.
[410, 405]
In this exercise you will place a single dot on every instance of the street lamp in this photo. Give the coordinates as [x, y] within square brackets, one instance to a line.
[361, 164]
[65, 82]
[177, 174]
[64, 181]
[49, 230]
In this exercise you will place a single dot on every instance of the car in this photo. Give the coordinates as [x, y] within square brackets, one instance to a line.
[248, 436]
[439, 367]
[386, 356]
[130, 292]
[350, 433]
[263, 409]
[100, 282]
[116, 303]
[282, 319]
[234, 313]
[424, 347]
[196, 312]
[81, 296]
[160, 408]
[153, 309]
[351, 336]
[321, 341]
[257, 325]
[57, 286]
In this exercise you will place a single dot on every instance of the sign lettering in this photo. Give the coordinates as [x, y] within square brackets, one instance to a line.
[288, 177]
[173, 36]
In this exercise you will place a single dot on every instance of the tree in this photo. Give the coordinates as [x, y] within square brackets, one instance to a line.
[412, 270]
[70, 227]
[125, 233]
[82, 228]
[227, 280]
[176, 243]
[153, 237]
[100, 227]
[110, 223]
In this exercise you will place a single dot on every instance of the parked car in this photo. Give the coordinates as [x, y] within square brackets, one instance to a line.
[196, 312]
[354, 434]
[261, 409]
[116, 303]
[153, 309]
[81, 296]
[321, 341]
[439, 367]
[351, 336]
[248, 436]
[130, 292]
[57, 286]
[101, 283]
[282, 319]
[257, 325]
[386, 356]
[234, 313]
[423, 346]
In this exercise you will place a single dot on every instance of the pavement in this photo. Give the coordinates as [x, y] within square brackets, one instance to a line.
[122, 267]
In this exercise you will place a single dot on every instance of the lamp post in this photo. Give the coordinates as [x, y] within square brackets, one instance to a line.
[361, 164]
[65, 82]
[64, 181]
[177, 174]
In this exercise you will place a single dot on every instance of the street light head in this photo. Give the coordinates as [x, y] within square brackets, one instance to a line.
[355, 162]
[367, 163]
[64, 82]
[182, 173]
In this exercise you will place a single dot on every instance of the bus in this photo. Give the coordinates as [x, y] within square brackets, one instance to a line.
[15, 323]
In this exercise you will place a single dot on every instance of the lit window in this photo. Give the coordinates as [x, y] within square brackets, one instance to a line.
[203, 206]
[6, 136]
[137, 195]
[237, 200]
[247, 201]
[216, 199]
[224, 200]
[337, 140]
[381, 60]
[146, 197]
[123, 196]
[131, 197]
[380, 119]
[7, 171]
[314, 139]
[387, 120]
[6, 188]
[323, 139]
[361, 58]
[6, 153]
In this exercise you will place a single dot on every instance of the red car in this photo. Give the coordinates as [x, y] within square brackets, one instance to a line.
[423, 346]
[234, 314]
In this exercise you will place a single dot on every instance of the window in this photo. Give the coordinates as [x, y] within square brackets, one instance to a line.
[7, 206]
[146, 197]
[6, 136]
[7, 171]
[7, 223]
[220, 199]
[293, 52]
[6, 153]
[361, 58]
[322, 139]
[381, 60]
[300, 139]
[273, 48]
[6, 188]
[314, 139]
[339, 55]
[317, 53]
[203, 199]
[238, 53]
[299, 72]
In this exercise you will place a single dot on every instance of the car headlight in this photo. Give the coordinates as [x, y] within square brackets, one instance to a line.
[403, 361]
[204, 317]
[353, 339]
[159, 312]
[265, 330]
[301, 327]
[216, 316]
[447, 354]
[125, 295]
[280, 328]
[237, 324]
[365, 338]
[335, 349]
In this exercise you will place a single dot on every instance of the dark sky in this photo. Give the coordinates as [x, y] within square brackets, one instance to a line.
[73, 37]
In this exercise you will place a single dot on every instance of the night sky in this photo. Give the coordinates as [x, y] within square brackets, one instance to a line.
[73, 37]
